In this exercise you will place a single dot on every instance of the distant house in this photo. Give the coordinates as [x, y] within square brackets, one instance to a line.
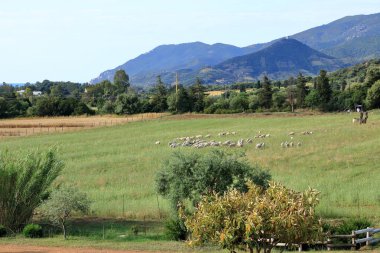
[20, 92]
[37, 93]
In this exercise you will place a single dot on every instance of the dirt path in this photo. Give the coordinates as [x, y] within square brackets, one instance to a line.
[38, 249]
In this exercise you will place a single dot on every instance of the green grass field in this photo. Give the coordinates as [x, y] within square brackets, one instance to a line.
[116, 166]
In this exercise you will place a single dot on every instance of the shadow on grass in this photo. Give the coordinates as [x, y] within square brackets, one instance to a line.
[117, 230]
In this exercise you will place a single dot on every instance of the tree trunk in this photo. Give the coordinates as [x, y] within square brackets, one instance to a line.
[64, 230]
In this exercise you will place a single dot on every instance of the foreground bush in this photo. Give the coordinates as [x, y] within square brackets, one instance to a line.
[24, 183]
[256, 220]
[175, 229]
[32, 231]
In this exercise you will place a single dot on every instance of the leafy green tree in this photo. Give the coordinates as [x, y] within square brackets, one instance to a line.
[179, 102]
[372, 75]
[24, 182]
[121, 81]
[57, 91]
[301, 90]
[82, 109]
[373, 96]
[61, 204]
[312, 100]
[239, 103]
[279, 100]
[255, 220]
[324, 90]
[108, 107]
[197, 93]
[3, 107]
[158, 100]
[265, 94]
[127, 104]
[189, 176]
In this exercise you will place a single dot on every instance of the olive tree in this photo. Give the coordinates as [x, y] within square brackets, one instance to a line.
[189, 176]
[61, 204]
[255, 220]
[25, 181]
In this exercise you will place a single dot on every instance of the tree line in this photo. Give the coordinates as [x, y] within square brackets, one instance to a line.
[338, 91]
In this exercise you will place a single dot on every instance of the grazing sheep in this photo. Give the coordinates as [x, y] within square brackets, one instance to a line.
[198, 136]
[233, 133]
[355, 120]
[291, 133]
[240, 143]
[249, 140]
[208, 136]
[226, 143]
[260, 145]
[299, 144]
[157, 142]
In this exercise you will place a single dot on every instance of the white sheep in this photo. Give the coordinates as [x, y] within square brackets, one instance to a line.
[157, 142]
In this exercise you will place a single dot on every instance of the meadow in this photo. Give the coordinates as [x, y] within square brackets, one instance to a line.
[116, 165]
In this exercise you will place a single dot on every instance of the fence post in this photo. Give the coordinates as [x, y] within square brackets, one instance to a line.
[328, 242]
[353, 240]
[367, 236]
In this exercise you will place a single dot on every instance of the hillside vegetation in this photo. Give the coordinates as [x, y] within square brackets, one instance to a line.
[116, 165]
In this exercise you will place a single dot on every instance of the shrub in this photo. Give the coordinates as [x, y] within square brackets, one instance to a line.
[32, 231]
[352, 224]
[175, 229]
[257, 219]
[25, 181]
[189, 176]
[135, 230]
[3, 231]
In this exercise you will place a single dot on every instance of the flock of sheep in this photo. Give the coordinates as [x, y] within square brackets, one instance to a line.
[200, 141]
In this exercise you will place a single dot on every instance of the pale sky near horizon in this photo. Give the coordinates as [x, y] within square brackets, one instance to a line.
[75, 40]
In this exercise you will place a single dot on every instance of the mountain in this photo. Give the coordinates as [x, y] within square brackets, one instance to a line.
[284, 58]
[167, 58]
[351, 39]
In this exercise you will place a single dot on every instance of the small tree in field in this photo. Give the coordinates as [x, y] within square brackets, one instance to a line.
[62, 203]
[189, 176]
[255, 220]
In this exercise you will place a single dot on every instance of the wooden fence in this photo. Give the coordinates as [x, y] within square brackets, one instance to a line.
[356, 241]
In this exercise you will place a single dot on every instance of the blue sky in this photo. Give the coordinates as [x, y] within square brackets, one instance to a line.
[75, 40]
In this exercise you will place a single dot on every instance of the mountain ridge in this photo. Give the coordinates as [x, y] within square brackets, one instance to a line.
[351, 39]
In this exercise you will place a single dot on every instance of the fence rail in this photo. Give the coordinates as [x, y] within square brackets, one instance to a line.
[356, 242]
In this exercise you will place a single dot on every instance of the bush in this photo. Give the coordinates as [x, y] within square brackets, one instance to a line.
[135, 230]
[189, 176]
[32, 231]
[346, 228]
[352, 224]
[3, 231]
[24, 182]
[175, 229]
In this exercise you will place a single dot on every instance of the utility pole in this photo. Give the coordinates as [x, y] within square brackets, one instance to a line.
[176, 91]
